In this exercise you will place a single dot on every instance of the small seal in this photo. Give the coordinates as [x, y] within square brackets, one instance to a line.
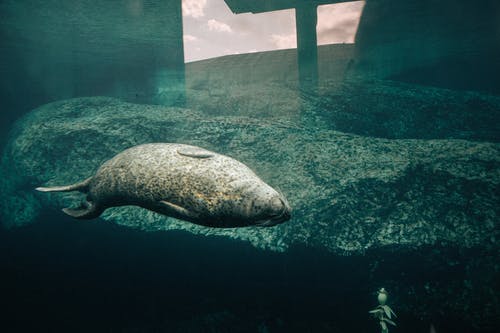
[181, 181]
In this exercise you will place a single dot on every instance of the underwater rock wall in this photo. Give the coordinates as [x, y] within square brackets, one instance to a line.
[349, 193]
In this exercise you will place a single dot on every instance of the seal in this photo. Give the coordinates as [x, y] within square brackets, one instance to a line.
[181, 181]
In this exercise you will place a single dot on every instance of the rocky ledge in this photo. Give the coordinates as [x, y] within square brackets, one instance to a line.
[350, 193]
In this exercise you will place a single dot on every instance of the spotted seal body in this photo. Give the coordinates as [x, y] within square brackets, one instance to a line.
[181, 181]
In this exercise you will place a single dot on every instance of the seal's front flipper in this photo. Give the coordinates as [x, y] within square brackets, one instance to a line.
[177, 211]
[86, 211]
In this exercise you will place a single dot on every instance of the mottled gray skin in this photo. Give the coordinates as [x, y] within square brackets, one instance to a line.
[181, 181]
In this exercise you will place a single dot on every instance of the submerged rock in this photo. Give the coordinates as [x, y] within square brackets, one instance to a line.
[349, 193]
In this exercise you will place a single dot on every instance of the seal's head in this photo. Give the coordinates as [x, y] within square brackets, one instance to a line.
[264, 206]
[271, 211]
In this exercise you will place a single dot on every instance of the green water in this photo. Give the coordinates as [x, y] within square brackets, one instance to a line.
[386, 149]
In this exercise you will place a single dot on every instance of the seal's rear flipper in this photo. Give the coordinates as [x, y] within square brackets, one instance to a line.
[85, 211]
[54, 189]
[81, 186]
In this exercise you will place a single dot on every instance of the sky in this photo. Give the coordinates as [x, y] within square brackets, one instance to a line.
[212, 30]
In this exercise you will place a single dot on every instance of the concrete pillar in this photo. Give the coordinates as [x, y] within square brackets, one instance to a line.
[306, 18]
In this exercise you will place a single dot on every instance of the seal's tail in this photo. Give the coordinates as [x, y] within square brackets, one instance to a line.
[81, 186]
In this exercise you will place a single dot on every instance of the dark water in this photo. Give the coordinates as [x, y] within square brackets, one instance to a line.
[62, 275]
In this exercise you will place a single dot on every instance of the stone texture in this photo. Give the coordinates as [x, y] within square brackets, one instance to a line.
[350, 193]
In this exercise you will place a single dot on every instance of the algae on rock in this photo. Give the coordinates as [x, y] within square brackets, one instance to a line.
[349, 193]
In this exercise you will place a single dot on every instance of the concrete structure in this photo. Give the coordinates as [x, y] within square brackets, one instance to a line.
[60, 49]
[306, 18]
[134, 50]
[448, 43]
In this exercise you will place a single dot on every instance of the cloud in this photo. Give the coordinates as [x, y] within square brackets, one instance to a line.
[284, 41]
[214, 25]
[194, 8]
[230, 52]
[190, 38]
[338, 23]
